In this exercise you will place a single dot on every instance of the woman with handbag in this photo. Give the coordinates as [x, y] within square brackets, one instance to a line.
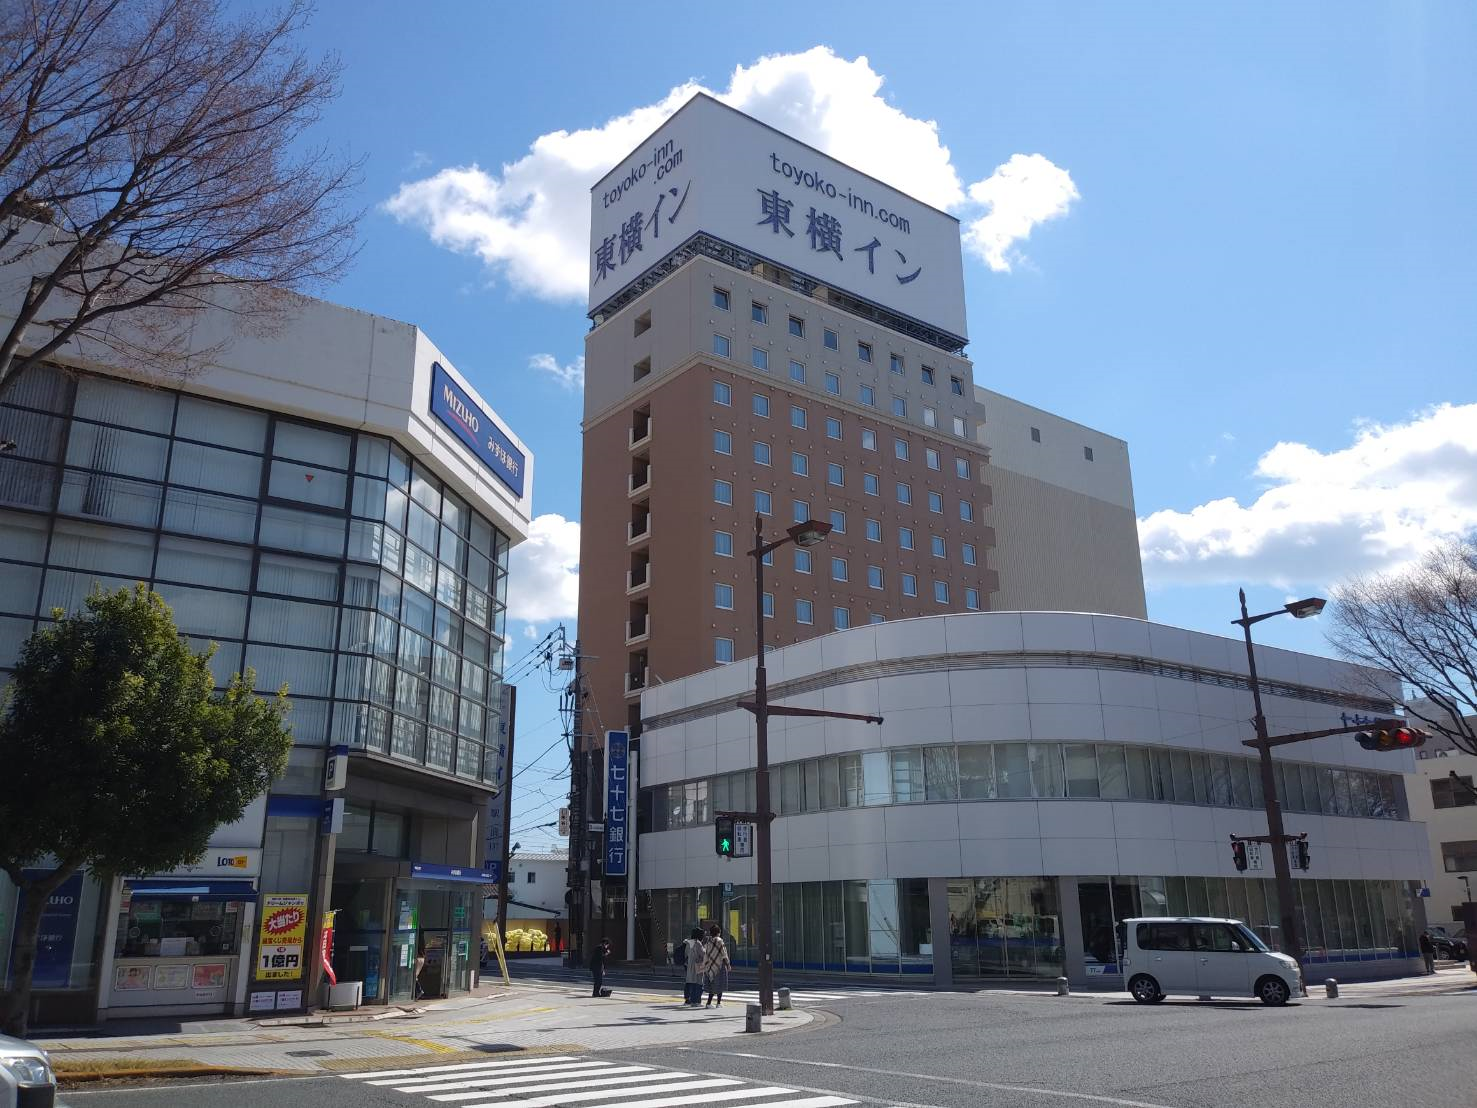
[716, 965]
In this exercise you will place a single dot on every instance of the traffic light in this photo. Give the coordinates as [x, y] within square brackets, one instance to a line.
[723, 836]
[1238, 853]
[1392, 738]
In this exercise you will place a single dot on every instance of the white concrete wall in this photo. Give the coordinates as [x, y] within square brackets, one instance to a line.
[1444, 825]
[980, 701]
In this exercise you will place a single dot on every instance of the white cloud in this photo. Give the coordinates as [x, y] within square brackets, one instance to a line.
[1372, 506]
[529, 219]
[544, 582]
[1025, 191]
[571, 377]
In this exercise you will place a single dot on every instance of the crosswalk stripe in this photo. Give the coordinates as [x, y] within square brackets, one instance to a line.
[612, 1094]
[713, 1098]
[533, 1073]
[672, 1075]
[418, 1070]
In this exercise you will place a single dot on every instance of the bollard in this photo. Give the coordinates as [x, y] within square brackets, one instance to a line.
[1332, 986]
[1062, 988]
[784, 1000]
[752, 1015]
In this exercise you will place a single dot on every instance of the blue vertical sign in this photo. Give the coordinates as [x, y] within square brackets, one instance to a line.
[617, 759]
[58, 933]
[453, 406]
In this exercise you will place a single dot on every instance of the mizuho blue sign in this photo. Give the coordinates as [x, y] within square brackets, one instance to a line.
[476, 429]
[617, 784]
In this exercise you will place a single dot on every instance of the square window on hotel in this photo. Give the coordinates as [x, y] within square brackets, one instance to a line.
[799, 464]
[797, 372]
[720, 345]
[935, 503]
[972, 599]
[868, 396]
[905, 538]
[835, 474]
[722, 651]
[833, 428]
[804, 611]
[761, 405]
[833, 384]
[959, 429]
[840, 618]
[720, 299]
[871, 485]
[956, 386]
[723, 596]
[830, 339]
[874, 530]
[927, 375]
[966, 551]
[761, 453]
[758, 313]
[900, 449]
[838, 569]
[910, 585]
[799, 510]
[930, 417]
[722, 394]
[961, 468]
[931, 457]
[874, 577]
[869, 440]
[722, 492]
[763, 503]
[966, 511]
[936, 543]
[758, 358]
[798, 417]
[904, 493]
[895, 362]
[723, 544]
[899, 407]
[797, 327]
[722, 442]
[769, 605]
[838, 521]
[802, 561]
[941, 592]
[863, 352]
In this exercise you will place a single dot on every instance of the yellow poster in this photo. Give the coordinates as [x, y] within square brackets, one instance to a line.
[284, 930]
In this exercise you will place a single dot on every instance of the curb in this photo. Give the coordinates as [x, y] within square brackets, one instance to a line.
[68, 1077]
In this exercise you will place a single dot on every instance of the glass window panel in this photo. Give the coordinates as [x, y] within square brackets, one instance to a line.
[22, 536]
[19, 586]
[1183, 782]
[412, 694]
[422, 528]
[101, 496]
[1046, 769]
[1200, 776]
[292, 623]
[442, 708]
[425, 490]
[40, 386]
[453, 549]
[414, 654]
[1082, 778]
[372, 456]
[977, 772]
[448, 631]
[907, 776]
[475, 645]
[876, 777]
[1289, 786]
[38, 437]
[1112, 772]
[1220, 781]
[396, 504]
[317, 445]
[221, 424]
[13, 632]
[26, 484]
[306, 484]
[1140, 773]
[812, 770]
[420, 568]
[1312, 798]
[305, 577]
[940, 774]
[830, 782]
[450, 589]
[306, 672]
[366, 541]
[1012, 771]
[127, 453]
[455, 513]
[67, 590]
[479, 571]
[418, 611]
[206, 611]
[207, 467]
[111, 401]
[789, 781]
[310, 532]
[203, 513]
[87, 546]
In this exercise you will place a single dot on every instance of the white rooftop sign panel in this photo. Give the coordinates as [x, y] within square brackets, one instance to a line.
[713, 169]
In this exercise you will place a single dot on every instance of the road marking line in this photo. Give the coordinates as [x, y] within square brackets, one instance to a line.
[539, 1061]
[671, 1075]
[1096, 1098]
[612, 1094]
[440, 1082]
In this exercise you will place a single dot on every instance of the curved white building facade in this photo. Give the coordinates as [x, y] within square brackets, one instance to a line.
[1037, 777]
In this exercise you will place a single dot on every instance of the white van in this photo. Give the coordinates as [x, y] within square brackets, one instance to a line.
[1204, 957]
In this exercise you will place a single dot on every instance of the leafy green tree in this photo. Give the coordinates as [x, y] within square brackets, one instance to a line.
[120, 756]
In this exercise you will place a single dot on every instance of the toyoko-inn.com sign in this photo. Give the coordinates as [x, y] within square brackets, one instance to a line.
[710, 168]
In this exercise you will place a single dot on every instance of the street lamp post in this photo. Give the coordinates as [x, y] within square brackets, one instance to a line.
[1287, 905]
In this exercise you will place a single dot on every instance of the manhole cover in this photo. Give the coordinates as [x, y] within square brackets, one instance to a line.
[309, 1053]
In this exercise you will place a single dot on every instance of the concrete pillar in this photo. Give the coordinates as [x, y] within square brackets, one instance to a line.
[938, 923]
[1075, 968]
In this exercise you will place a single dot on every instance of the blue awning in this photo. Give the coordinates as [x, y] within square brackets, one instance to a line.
[185, 888]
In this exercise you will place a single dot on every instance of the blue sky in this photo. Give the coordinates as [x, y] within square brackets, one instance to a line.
[1251, 255]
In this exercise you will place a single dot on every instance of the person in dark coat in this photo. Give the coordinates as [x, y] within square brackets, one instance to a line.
[1428, 952]
[598, 955]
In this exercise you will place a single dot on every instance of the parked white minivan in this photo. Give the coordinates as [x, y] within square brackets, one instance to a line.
[1199, 956]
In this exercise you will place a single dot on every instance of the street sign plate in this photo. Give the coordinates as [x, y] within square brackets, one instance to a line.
[597, 827]
[1253, 855]
[743, 840]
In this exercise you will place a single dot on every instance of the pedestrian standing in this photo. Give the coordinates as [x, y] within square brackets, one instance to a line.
[1428, 952]
[692, 986]
[716, 965]
[555, 937]
[598, 955]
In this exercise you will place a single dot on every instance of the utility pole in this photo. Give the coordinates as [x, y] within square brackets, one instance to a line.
[507, 784]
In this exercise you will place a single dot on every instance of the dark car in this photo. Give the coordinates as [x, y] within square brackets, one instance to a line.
[1447, 946]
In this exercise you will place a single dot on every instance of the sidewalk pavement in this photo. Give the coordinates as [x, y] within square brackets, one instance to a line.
[497, 1018]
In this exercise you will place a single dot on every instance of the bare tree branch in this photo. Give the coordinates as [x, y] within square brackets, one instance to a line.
[150, 163]
[1420, 625]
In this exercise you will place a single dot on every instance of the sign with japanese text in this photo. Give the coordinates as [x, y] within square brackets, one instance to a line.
[58, 934]
[712, 169]
[477, 430]
[283, 933]
[617, 785]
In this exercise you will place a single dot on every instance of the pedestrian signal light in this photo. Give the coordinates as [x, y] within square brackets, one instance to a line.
[723, 836]
[1238, 854]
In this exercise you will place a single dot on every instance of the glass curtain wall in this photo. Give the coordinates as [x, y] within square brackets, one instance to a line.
[329, 561]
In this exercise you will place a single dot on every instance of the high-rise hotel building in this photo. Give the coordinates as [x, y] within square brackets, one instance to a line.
[777, 335]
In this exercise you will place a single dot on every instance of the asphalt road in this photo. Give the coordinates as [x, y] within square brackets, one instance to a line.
[990, 1050]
